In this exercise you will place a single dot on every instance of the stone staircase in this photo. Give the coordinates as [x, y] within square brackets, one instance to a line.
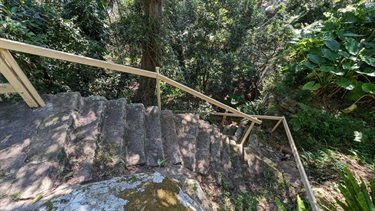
[62, 144]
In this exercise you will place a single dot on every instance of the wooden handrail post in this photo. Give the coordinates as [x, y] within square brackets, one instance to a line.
[247, 133]
[277, 124]
[158, 87]
[305, 181]
[224, 117]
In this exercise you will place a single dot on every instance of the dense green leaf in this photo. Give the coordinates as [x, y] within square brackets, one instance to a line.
[353, 35]
[309, 65]
[345, 83]
[369, 71]
[344, 54]
[316, 59]
[369, 60]
[280, 205]
[338, 71]
[349, 66]
[312, 86]
[352, 46]
[368, 88]
[300, 205]
[332, 44]
[327, 69]
[329, 54]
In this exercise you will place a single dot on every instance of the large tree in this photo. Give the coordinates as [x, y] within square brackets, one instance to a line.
[152, 11]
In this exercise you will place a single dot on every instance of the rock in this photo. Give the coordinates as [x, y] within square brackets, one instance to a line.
[187, 131]
[202, 155]
[82, 145]
[171, 147]
[135, 135]
[132, 192]
[113, 126]
[153, 142]
[289, 105]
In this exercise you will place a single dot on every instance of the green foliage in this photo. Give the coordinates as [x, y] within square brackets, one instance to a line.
[43, 25]
[336, 56]
[321, 165]
[357, 196]
[317, 129]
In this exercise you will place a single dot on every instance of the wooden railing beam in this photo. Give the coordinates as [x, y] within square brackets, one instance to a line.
[40, 51]
[208, 99]
[7, 89]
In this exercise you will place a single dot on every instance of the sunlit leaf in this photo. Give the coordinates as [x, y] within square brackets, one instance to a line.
[345, 83]
[352, 46]
[348, 66]
[357, 136]
[300, 205]
[369, 61]
[316, 59]
[368, 88]
[329, 54]
[350, 108]
[332, 44]
[369, 71]
[352, 35]
[311, 86]
[337, 71]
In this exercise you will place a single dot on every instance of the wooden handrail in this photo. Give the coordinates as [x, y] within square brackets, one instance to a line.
[40, 51]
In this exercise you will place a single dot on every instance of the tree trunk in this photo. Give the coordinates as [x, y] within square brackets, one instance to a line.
[152, 10]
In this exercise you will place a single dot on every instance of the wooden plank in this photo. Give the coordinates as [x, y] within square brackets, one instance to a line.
[224, 117]
[31, 49]
[13, 79]
[267, 117]
[278, 123]
[22, 77]
[208, 99]
[247, 133]
[7, 89]
[305, 181]
[158, 88]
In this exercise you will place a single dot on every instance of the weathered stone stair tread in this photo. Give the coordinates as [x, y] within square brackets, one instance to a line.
[135, 135]
[187, 131]
[216, 145]
[31, 150]
[113, 126]
[153, 142]
[83, 140]
[203, 147]
[73, 126]
[171, 147]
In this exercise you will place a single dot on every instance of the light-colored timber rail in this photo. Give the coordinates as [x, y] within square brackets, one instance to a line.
[18, 83]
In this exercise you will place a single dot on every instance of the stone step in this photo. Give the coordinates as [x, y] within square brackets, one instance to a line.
[187, 132]
[113, 127]
[239, 134]
[202, 155]
[135, 135]
[32, 150]
[170, 143]
[153, 142]
[82, 145]
[216, 145]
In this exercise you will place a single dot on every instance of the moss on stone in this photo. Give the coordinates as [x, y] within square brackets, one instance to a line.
[156, 196]
[49, 206]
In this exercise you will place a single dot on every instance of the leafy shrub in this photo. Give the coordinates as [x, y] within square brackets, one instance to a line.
[336, 56]
[315, 129]
[357, 196]
[42, 25]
